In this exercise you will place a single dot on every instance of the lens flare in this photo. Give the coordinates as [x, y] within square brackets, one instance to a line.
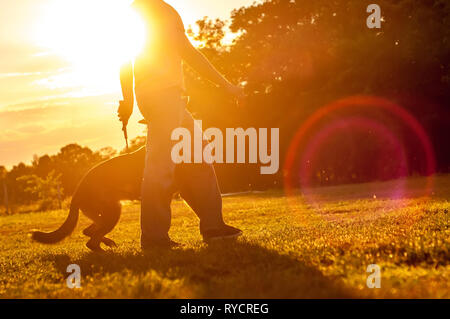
[310, 141]
[94, 37]
[354, 125]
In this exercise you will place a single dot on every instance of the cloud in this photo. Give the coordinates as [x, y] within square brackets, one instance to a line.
[27, 58]
[20, 68]
[44, 127]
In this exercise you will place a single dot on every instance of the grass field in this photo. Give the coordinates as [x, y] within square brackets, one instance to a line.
[295, 248]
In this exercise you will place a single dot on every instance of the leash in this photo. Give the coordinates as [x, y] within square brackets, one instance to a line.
[124, 130]
[125, 134]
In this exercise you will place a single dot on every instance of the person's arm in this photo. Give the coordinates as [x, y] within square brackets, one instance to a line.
[200, 63]
[127, 83]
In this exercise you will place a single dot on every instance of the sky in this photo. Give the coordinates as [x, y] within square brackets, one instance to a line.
[59, 73]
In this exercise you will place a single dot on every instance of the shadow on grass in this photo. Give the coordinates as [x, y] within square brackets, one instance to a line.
[223, 270]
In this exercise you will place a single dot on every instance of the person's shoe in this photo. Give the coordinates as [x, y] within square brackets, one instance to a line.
[160, 244]
[225, 232]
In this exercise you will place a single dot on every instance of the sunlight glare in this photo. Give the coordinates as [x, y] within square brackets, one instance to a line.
[95, 37]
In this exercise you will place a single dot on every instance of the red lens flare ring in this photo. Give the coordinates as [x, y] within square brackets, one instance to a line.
[305, 147]
[361, 124]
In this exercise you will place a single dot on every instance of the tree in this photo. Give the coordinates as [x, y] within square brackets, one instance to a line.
[135, 144]
[72, 163]
[48, 190]
[3, 173]
[107, 152]
[297, 56]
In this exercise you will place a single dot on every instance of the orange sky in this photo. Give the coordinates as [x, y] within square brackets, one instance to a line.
[49, 99]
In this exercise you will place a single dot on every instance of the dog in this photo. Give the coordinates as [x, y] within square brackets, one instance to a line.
[98, 196]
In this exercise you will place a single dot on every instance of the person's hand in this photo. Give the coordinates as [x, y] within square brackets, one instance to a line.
[125, 111]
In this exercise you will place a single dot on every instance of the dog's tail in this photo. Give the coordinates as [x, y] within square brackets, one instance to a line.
[62, 232]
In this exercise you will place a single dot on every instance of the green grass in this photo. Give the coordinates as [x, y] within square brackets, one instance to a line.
[296, 248]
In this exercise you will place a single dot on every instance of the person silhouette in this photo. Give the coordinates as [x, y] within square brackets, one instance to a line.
[157, 79]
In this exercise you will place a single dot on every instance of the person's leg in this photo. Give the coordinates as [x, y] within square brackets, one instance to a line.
[198, 186]
[163, 111]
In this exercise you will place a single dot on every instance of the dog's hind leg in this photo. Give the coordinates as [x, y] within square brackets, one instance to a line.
[107, 222]
[89, 231]
[93, 229]
[109, 242]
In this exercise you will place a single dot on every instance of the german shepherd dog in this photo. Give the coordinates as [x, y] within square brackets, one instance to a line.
[98, 196]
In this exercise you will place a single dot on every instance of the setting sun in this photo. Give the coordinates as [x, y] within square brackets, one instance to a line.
[96, 37]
